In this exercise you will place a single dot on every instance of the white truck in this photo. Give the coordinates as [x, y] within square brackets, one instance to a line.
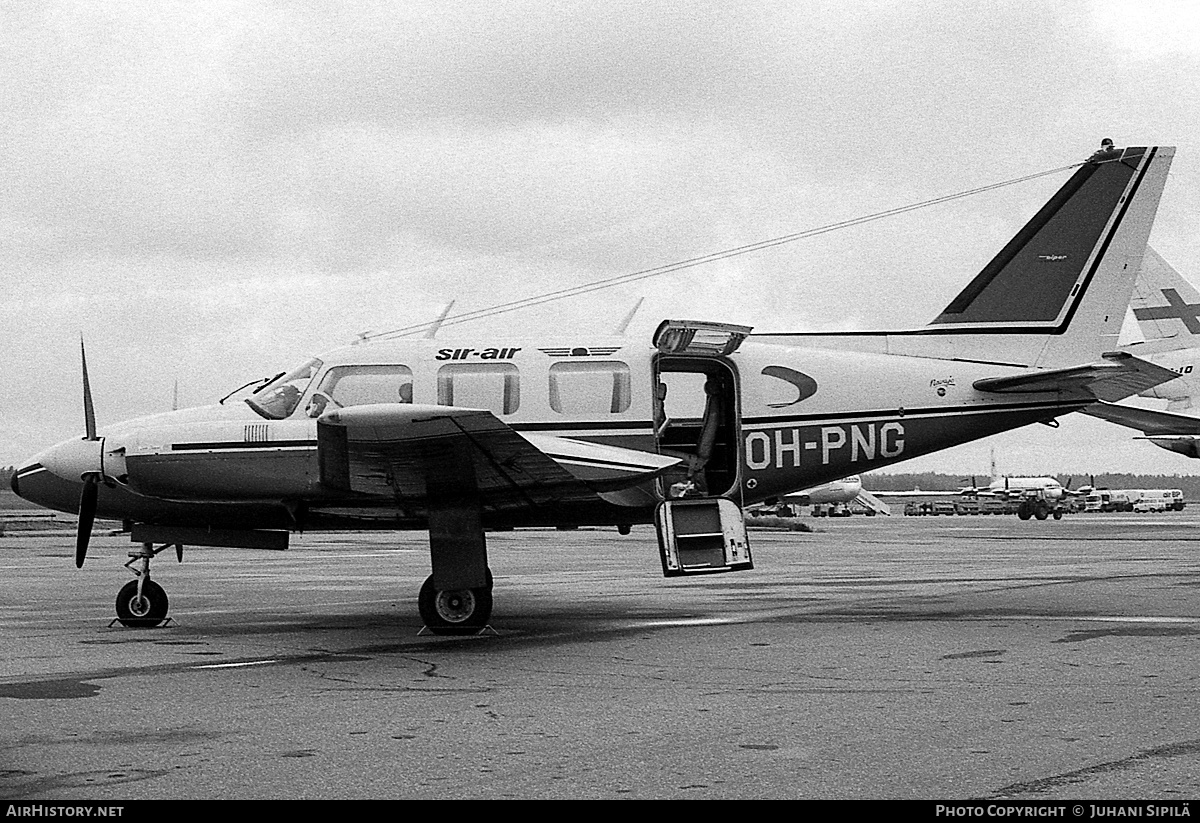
[1159, 500]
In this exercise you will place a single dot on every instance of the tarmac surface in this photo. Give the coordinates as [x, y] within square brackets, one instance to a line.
[941, 658]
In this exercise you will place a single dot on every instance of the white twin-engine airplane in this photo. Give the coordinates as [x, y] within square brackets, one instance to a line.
[495, 433]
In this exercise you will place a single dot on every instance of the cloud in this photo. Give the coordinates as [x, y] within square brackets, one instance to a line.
[223, 188]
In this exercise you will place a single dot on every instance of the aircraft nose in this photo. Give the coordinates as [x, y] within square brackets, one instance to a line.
[73, 459]
[32, 481]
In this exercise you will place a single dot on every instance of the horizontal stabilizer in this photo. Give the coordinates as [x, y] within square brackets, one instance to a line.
[1118, 376]
[1147, 421]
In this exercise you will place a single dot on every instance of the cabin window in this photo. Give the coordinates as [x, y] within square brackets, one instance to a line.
[589, 387]
[363, 385]
[278, 398]
[492, 386]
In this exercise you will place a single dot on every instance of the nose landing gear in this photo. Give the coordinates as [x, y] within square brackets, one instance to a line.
[142, 603]
[141, 609]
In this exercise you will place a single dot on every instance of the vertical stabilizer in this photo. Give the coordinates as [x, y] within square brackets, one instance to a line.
[1069, 272]
[1167, 310]
[1166, 306]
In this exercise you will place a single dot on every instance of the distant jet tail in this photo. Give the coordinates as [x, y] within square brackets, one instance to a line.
[1167, 310]
[1166, 306]
[1056, 294]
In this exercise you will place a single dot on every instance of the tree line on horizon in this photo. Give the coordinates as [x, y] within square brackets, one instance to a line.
[936, 481]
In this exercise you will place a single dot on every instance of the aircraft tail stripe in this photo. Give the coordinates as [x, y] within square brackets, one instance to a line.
[1107, 242]
[1033, 277]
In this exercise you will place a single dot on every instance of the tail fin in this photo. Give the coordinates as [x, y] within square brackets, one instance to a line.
[1166, 306]
[1167, 310]
[1069, 272]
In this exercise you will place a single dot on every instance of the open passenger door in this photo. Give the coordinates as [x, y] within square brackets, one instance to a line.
[697, 417]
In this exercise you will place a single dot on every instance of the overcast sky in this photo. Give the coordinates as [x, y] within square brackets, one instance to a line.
[211, 192]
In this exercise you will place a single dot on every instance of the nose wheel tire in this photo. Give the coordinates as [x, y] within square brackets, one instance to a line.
[141, 611]
[455, 611]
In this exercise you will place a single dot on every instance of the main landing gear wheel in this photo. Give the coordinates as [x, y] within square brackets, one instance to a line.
[457, 611]
[145, 611]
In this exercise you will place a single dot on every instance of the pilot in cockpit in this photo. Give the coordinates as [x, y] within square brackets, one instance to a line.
[316, 405]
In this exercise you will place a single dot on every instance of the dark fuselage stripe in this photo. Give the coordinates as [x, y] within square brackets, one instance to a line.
[241, 446]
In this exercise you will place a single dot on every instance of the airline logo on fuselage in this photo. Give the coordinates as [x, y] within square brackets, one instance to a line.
[476, 354]
[581, 351]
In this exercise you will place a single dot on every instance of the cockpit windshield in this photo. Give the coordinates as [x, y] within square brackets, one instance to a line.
[278, 399]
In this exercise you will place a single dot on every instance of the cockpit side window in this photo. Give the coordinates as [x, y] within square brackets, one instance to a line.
[363, 385]
[279, 398]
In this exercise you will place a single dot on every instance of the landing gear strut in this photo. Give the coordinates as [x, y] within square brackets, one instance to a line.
[457, 611]
[142, 603]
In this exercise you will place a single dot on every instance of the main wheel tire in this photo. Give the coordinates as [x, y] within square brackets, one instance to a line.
[143, 612]
[459, 611]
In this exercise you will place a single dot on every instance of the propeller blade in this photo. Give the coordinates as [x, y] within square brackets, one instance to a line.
[89, 413]
[87, 515]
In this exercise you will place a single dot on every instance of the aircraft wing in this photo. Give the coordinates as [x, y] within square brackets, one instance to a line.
[412, 453]
[1149, 422]
[1118, 376]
